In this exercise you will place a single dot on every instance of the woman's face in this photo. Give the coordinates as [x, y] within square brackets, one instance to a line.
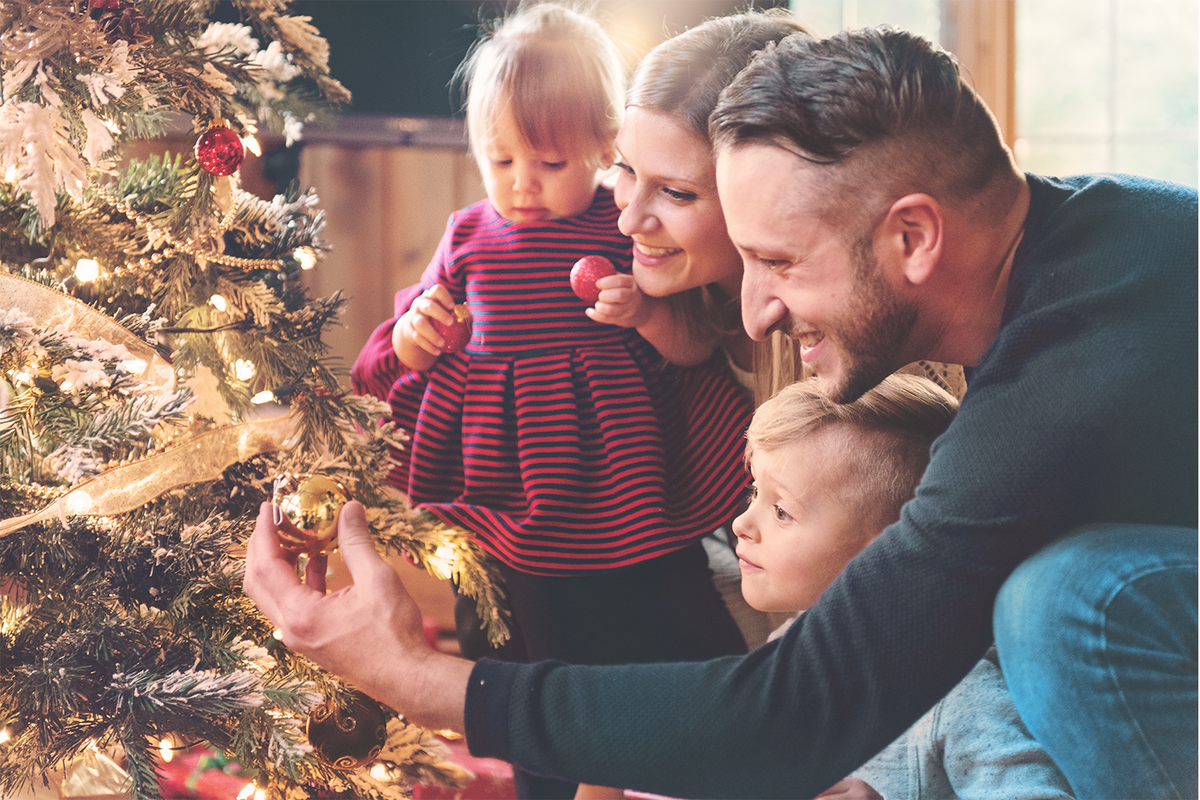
[667, 192]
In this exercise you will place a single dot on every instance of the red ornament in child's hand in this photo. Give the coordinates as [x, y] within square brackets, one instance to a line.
[458, 332]
[220, 151]
[584, 275]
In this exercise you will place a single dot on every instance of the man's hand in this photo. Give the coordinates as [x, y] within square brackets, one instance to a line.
[368, 633]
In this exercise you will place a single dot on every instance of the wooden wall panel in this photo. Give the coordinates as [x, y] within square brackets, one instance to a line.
[982, 33]
[385, 211]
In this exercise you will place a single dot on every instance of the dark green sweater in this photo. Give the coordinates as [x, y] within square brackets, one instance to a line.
[1084, 409]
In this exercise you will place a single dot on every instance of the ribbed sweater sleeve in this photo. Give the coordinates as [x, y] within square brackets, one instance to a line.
[1083, 410]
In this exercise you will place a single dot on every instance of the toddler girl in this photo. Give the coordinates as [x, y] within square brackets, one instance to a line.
[581, 458]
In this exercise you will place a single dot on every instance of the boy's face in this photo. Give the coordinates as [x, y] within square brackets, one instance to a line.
[797, 534]
[526, 184]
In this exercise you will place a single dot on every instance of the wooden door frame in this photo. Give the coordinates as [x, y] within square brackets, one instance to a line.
[983, 34]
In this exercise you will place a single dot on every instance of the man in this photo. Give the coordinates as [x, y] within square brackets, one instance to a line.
[882, 221]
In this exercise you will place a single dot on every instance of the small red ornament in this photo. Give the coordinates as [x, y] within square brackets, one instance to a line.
[458, 332]
[584, 275]
[219, 150]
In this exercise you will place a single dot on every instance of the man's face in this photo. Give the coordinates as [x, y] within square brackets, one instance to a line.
[804, 277]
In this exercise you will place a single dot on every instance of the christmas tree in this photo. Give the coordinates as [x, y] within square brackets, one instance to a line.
[161, 375]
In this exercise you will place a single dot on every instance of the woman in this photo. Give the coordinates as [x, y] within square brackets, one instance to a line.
[667, 192]
[667, 186]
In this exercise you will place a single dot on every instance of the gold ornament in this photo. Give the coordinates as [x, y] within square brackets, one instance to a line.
[308, 506]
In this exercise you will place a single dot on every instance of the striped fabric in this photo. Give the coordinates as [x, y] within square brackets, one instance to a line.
[563, 444]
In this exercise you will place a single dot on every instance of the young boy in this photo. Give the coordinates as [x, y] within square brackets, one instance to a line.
[828, 479]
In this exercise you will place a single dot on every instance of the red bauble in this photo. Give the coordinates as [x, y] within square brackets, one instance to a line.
[220, 151]
[458, 332]
[584, 275]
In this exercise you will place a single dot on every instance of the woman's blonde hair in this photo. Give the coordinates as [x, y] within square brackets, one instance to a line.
[884, 443]
[683, 77]
[556, 71]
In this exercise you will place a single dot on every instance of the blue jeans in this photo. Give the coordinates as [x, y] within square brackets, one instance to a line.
[1097, 641]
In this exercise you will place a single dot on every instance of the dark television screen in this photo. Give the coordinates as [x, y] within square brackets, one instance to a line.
[398, 57]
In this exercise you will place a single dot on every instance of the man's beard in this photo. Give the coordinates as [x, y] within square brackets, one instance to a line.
[875, 332]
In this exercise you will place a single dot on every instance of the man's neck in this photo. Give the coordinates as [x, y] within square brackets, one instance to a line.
[973, 298]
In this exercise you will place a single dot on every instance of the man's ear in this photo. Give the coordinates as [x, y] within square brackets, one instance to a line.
[913, 234]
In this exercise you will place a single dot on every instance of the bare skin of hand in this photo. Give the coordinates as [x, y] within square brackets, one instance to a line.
[368, 633]
[416, 342]
[851, 789]
[621, 302]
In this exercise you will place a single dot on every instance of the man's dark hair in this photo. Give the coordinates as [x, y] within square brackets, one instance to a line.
[876, 105]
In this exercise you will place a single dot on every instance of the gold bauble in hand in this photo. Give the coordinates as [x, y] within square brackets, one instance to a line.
[308, 506]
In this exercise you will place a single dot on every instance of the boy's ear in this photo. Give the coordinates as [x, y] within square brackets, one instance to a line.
[913, 234]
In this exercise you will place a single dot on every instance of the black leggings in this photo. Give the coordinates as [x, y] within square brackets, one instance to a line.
[664, 609]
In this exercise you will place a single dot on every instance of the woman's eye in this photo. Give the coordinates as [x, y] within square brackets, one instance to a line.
[554, 164]
[502, 162]
[675, 194]
[782, 515]
[621, 165]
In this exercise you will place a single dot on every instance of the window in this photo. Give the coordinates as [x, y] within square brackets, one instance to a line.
[1107, 86]
[1078, 85]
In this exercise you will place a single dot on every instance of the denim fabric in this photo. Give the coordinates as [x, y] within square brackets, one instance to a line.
[1097, 641]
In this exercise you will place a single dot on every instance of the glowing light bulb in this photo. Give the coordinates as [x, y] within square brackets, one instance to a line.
[306, 257]
[87, 270]
[10, 174]
[251, 144]
[265, 396]
[380, 772]
[218, 302]
[278, 634]
[5, 736]
[78, 502]
[442, 561]
[165, 751]
[244, 369]
[247, 791]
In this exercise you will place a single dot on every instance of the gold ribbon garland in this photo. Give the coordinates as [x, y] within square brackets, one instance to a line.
[131, 486]
[51, 308]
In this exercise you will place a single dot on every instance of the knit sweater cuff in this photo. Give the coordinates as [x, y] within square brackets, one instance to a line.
[487, 711]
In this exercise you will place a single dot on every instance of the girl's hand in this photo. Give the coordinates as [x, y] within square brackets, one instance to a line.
[414, 338]
[621, 302]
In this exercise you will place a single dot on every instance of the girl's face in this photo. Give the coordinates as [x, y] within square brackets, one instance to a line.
[525, 183]
[667, 192]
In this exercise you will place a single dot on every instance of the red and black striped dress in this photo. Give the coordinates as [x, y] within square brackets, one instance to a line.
[565, 445]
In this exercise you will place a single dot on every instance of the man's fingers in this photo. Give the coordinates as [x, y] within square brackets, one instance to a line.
[354, 540]
[269, 572]
[314, 573]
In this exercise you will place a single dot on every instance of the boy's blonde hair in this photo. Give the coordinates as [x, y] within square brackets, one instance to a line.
[556, 71]
[882, 444]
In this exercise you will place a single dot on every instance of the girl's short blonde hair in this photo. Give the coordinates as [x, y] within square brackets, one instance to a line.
[883, 437]
[556, 71]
